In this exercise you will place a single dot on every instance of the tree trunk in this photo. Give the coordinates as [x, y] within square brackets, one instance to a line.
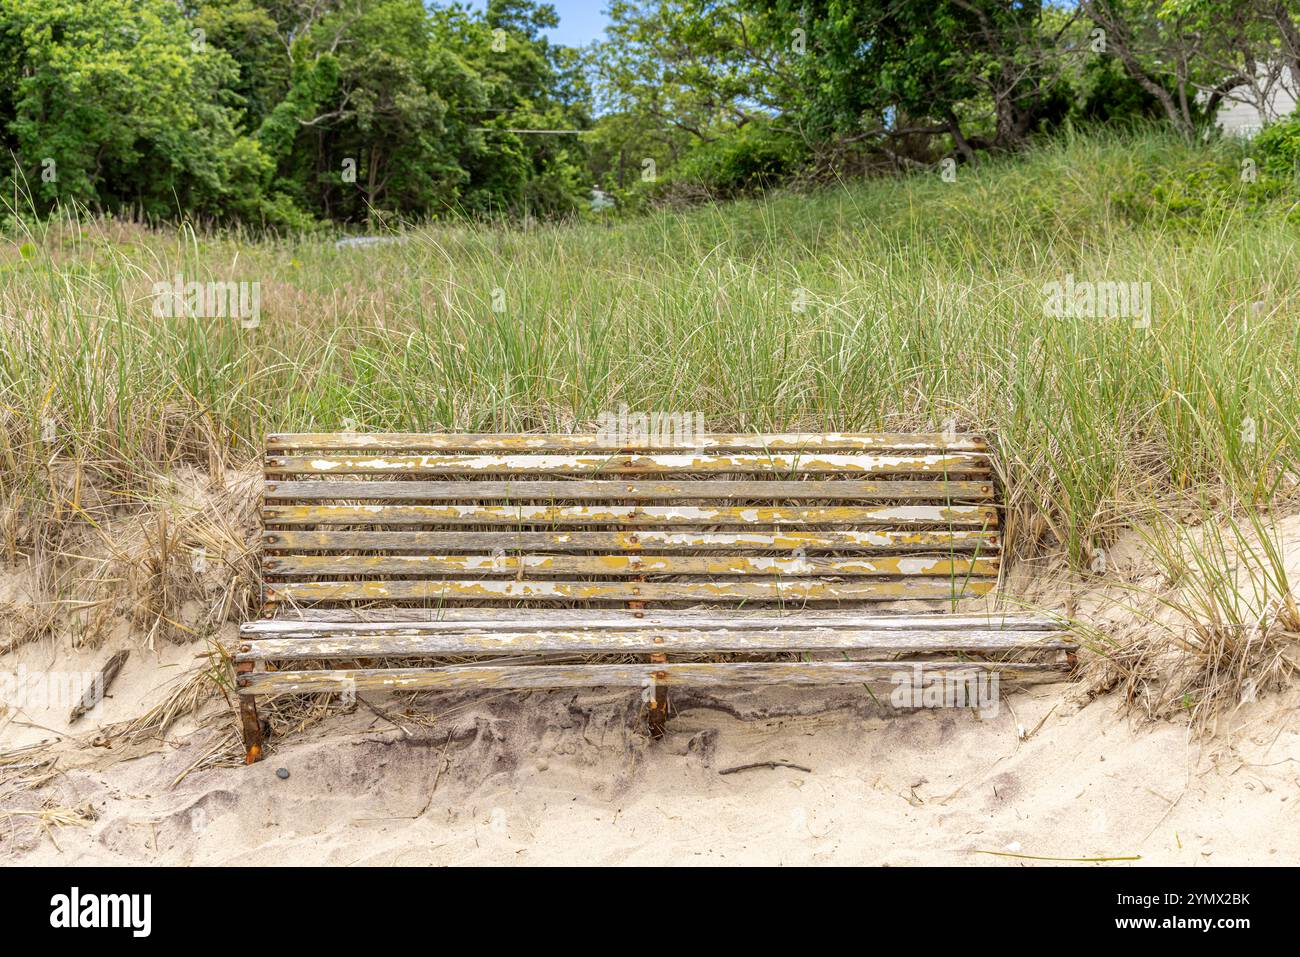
[963, 146]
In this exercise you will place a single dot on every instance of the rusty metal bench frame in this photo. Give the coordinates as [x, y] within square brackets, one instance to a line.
[526, 552]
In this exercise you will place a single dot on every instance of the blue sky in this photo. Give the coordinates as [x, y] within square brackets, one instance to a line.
[581, 21]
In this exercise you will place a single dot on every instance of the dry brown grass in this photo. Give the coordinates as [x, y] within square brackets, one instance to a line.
[1223, 628]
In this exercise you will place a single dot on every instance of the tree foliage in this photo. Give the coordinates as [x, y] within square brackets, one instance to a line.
[276, 111]
[283, 112]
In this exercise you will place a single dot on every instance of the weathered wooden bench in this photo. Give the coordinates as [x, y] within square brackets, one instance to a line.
[441, 561]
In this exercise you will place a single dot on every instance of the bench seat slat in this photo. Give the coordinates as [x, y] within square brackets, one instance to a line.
[603, 490]
[978, 516]
[920, 542]
[398, 644]
[553, 442]
[782, 463]
[326, 621]
[361, 565]
[790, 590]
[686, 674]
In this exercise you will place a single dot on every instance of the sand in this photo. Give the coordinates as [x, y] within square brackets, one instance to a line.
[562, 778]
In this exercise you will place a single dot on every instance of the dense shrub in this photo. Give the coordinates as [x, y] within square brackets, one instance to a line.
[1193, 185]
[754, 157]
[1277, 148]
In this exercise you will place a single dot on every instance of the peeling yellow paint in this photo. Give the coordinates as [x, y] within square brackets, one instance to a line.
[965, 515]
[774, 462]
[506, 442]
[768, 590]
[625, 565]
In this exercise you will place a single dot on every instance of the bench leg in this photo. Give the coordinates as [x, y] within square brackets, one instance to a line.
[657, 706]
[250, 723]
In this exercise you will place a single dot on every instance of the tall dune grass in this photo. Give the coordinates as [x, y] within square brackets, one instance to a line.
[902, 304]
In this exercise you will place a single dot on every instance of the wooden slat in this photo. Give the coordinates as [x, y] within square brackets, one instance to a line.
[969, 516]
[360, 565]
[789, 590]
[596, 491]
[553, 442]
[941, 541]
[304, 622]
[688, 674]
[396, 643]
[861, 464]
[955, 463]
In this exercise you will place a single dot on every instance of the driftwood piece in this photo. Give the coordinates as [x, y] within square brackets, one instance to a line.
[765, 764]
[99, 688]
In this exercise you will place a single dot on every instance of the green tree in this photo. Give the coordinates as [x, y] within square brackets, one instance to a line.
[115, 103]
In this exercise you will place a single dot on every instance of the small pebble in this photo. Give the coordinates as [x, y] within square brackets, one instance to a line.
[282, 773]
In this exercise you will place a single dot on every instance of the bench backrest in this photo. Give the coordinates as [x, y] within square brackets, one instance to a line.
[762, 521]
